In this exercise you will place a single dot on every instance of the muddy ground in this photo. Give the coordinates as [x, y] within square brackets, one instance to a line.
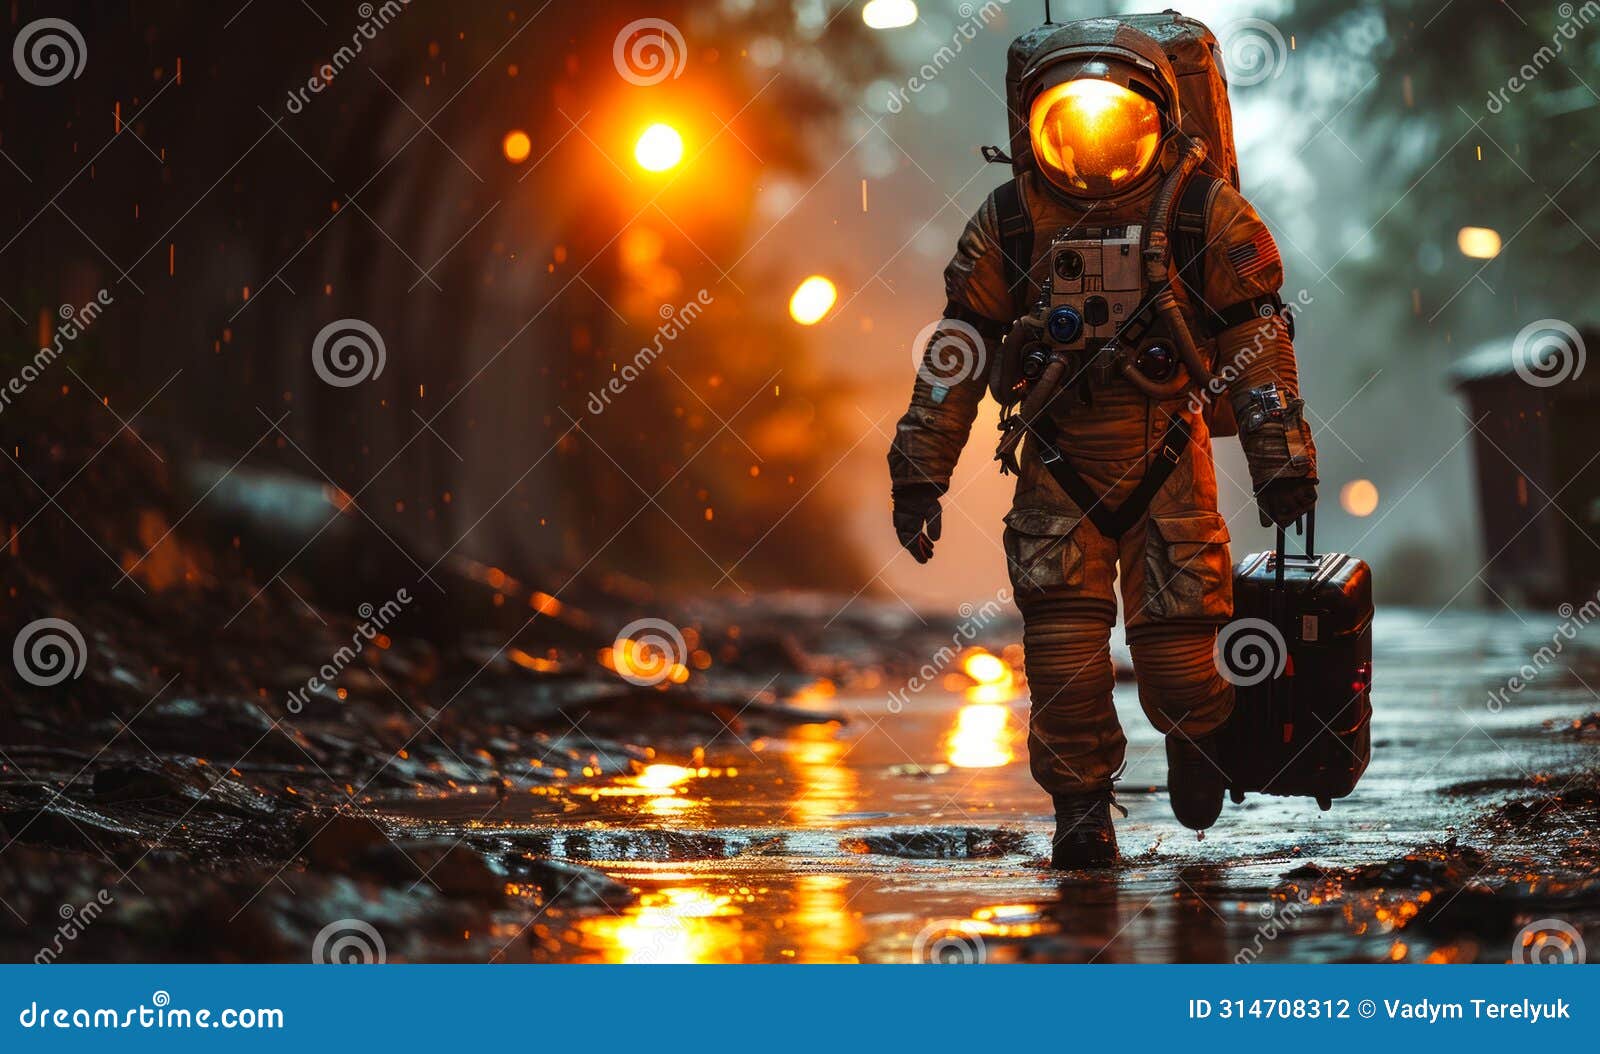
[478, 782]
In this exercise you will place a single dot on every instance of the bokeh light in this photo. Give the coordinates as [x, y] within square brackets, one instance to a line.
[659, 148]
[992, 677]
[1480, 243]
[812, 300]
[516, 146]
[982, 737]
[986, 668]
[662, 777]
[1359, 497]
[889, 14]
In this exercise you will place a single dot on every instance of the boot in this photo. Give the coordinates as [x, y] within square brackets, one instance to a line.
[1084, 836]
[1195, 781]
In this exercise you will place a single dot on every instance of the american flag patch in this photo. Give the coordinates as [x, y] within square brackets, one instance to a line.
[1257, 254]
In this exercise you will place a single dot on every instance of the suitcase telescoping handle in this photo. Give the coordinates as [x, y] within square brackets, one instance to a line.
[1278, 609]
[1309, 522]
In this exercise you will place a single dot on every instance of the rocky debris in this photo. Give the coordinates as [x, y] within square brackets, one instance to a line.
[633, 843]
[302, 918]
[1571, 800]
[38, 815]
[134, 810]
[1488, 785]
[1541, 860]
[1432, 867]
[178, 781]
[941, 843]
[426, 899]
[565, 883]
[360, 847]
[1585, 727]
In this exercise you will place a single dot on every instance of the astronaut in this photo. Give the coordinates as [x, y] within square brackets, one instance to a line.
[1126, 298]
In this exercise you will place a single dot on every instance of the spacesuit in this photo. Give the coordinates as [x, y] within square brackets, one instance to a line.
[1116, 492]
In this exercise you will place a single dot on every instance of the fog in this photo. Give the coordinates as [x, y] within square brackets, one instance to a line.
[1381, 412]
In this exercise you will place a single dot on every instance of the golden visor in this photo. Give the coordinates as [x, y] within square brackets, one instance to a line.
[1093, 138]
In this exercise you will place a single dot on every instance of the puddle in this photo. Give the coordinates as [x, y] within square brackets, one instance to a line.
[913, 831]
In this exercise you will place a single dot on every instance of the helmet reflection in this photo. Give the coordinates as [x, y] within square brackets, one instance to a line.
[1092, 137]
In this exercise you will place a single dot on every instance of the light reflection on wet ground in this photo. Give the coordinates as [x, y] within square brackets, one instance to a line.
[785, 862]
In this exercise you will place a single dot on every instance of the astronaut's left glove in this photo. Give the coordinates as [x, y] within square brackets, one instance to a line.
[1284, 501]
[1277, 444]
[917, 517]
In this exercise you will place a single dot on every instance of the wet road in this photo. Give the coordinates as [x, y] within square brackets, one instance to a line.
[918, 834]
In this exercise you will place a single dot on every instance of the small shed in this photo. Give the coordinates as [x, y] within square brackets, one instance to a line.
[1537, 454]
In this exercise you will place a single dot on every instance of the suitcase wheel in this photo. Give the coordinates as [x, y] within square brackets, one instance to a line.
[1237, 796]
[1324, 802]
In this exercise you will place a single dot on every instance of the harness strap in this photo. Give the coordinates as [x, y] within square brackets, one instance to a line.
[1189, 242]
[1255, 308]
[1016, 243]
[1113, 522]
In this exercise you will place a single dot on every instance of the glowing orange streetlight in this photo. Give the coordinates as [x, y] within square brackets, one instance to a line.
[812, 300]
[658, 148]
[516, 146]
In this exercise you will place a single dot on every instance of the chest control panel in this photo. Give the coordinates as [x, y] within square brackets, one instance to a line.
[1096, 283]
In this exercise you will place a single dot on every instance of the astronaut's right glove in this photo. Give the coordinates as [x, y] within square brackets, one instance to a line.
[917, 517]
[1284, 501]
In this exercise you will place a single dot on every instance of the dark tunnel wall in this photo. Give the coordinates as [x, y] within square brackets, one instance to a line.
[230, 220]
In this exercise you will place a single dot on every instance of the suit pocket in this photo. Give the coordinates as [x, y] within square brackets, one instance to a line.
[1188, 572]
[1041, 552]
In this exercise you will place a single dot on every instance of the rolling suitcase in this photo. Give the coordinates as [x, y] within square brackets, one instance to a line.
[1299, 652]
